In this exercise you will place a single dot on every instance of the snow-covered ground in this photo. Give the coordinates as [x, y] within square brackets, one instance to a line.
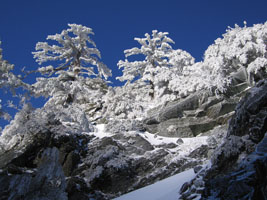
[167, 189]
[188, 145]
[100, 131]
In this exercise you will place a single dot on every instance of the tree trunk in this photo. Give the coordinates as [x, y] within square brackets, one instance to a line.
[152, 92]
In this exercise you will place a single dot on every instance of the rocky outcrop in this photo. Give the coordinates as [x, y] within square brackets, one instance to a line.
[46, 181]
[39, 163]
[45, 159]
[198, 113]
[42, 157]
[239, 165]
[127, 161]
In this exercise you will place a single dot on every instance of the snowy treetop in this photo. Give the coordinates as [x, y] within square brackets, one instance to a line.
[75, 49]
[241, 54]
[154, 47]
[163, 74]
[8, 82]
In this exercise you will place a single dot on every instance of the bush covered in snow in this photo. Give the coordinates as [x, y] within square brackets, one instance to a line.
[240, 47]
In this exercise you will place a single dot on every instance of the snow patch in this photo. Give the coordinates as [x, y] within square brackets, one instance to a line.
[167, 189]
[188, 145]
[100, 131]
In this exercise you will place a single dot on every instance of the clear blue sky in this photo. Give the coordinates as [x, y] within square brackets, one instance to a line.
[192, 24]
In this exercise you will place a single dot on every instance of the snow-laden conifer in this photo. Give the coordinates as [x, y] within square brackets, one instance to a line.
[8, 82]
[240, 48]
[149, 77]
[240, 54]
[79, 77]
[75, 51]
[130, 101]
[155, 48]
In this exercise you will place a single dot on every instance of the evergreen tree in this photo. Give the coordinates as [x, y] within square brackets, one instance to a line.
[75, 49]
[8, 83]
[81, 81]
[155, 48]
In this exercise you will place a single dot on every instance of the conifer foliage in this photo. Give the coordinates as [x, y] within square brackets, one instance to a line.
[75, 49]
[80, 71]
[239, 56]
[240, 48]
[79, 81]
[155, 73]
[8, 82]
[155, 48]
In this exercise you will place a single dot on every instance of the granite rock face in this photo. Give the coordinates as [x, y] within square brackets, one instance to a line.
[198, 113]
[38, 160]
[46, 161]
[239, 166]
[46, 181]
[251, 114]
[43, 158]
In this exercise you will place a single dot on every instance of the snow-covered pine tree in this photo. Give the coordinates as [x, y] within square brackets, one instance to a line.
[241, 49]
[77, 51]
[8, 82]
[240, 55]
[127, 102]
[81, 80]
[148, 78]
[177, 68]
[155, 48]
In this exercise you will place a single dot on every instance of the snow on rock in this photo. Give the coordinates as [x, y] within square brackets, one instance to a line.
[130, 159]
[188, 145]
[60, 145]
[239, 164]
[167, 189]
[100, 132]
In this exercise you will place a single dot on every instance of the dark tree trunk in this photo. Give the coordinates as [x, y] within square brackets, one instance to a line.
[152, 92]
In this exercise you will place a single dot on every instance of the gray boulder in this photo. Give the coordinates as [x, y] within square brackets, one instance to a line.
[48, 161]
[182, 127]
[239, 164]
[199, 112]
[47, 181]
[194, 115]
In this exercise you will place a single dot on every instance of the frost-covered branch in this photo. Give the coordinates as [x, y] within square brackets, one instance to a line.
[76, 51]
[240, 48]
[8, 82]
[155, 48]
